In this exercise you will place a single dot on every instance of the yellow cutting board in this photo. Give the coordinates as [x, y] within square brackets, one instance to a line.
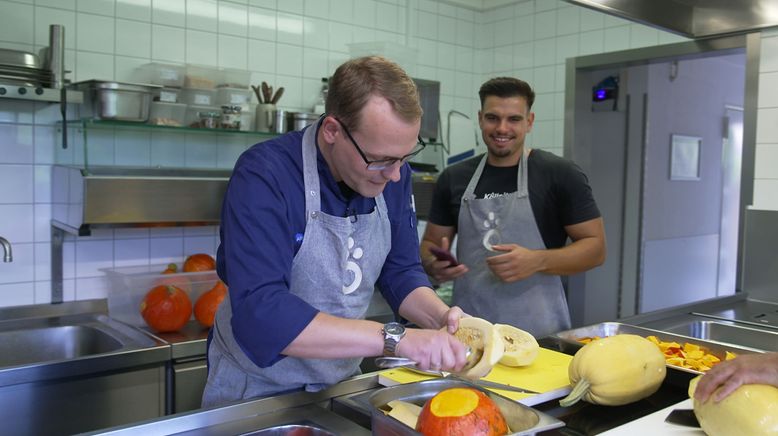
[547, 375]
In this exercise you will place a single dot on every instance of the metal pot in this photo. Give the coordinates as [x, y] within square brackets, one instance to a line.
[303, 119]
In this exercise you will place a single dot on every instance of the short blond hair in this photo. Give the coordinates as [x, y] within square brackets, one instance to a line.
[355, 81]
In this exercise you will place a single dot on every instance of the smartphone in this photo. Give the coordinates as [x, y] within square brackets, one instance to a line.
[441, 254]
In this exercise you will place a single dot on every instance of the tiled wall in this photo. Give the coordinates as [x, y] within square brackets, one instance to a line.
[766, 170]
[290, 43]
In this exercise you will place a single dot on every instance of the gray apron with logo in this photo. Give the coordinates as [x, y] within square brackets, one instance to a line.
[334, 270]
[536, 304]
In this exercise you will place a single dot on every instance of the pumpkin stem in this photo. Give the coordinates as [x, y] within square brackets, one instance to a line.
[579, 390]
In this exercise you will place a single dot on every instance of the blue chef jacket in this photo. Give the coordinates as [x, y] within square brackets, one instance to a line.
[262, 227]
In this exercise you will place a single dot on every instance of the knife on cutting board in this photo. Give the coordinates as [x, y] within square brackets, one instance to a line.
[685, 417]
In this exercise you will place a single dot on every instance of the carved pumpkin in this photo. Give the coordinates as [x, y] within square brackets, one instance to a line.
[166, 308]
[462, 411]
[206, 306]
[199, 262]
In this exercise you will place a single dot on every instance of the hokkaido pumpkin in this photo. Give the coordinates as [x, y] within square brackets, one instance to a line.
[486, 347]
[166, 308]
[749, 410]
[521, 348]
[461, 411]
[206, 306]
[199, 262]
[171, 268]
[615, 370]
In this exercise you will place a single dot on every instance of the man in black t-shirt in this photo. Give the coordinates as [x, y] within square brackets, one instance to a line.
[513, 210]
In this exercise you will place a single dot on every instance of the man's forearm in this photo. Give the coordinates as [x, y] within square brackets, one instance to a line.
[581, 255]
[424, 308]
[328, 337]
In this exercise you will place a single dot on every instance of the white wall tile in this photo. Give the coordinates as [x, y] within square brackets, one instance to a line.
[42, 261]
[503, 32]
[643, 36]
[133, 38]
[768, 90]
[290, 28]
[232, 52]
[88, 288]
[766, 127]
[200, 244]
[262, 56]
[16, 146]
[766, 194]
[200, 151]
[591, 42]
[316, 33]
[315, 64]
[22, 268]
[262, 24]
[169, 12]
[42, 187]
[233, 19]
[18, 230]
[292, 6]
[202, 15]
[766, 157]
[16, 294]
[591, 20]
[93, 255]
[523, 29]
[768, 60]
[16, 22]
[545, 79]
[544, 52]
[16, 111]
[545, 24]
[95, 33]
[134, 9]
[201, 47]
[427, 24]
[616, 38]
[568, 20]
[566, 47]
[465, 33]
[316, 8]
[16, 181]
[62, 4]
[44, 17]
[166, 250]
[131, 252]
[99, 7]
[127, 68]
[42, 228]
[447, 28]
[289, 60]
[168, 44]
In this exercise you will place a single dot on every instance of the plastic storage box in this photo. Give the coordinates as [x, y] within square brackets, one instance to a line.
[229, 78]
[167, 114]
[233, 96]
[129, 285]
[202, 117]
[198, 97]
[202, 77]
[163, 74]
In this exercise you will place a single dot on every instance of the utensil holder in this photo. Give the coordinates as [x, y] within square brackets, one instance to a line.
[264, 117]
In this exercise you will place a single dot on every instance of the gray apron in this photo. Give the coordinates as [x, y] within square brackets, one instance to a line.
[536, 304]
[334, 270]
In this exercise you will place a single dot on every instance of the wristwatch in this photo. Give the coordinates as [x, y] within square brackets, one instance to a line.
[393, 332]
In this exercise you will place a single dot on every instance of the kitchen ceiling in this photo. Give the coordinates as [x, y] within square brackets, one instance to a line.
[692, 18]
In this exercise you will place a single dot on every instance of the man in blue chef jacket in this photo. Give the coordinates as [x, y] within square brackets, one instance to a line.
[311, 222]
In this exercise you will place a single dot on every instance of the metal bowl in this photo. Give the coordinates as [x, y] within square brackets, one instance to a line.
[522, 420]
[18, 58]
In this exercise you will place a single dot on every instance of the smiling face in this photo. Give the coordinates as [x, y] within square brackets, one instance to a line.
[505, 123]
[381, 134]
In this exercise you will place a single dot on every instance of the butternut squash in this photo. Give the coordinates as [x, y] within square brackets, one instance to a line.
[521, 348]
[750, 410]
[615, 370]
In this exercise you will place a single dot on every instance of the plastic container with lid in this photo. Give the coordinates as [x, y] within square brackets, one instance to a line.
[198, 96]
[167, 75]
[167, 114]
[231, 78]
[167, 95]
[201, 77]
[232, 96]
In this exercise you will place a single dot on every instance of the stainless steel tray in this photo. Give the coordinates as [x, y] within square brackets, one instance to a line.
[522, 420]
[615, 328]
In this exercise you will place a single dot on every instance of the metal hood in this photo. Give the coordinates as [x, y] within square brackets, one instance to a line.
[692, 18]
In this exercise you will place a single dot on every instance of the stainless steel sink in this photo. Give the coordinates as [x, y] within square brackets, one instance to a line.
[728, 333]
[53, 343]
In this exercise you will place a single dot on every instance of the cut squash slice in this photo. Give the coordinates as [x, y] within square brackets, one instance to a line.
[485, 344]
[521, 348]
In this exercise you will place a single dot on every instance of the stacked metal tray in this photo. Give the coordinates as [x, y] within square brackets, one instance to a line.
[605, 329]
[22, 68]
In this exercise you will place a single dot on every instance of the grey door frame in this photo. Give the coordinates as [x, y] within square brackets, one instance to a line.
[751, 42]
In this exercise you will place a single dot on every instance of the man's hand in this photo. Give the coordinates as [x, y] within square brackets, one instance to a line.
[516, 263]
[435, 350]
[731, 374]
[441, 270]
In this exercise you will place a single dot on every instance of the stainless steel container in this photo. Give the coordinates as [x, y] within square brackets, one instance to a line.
[522, 420]
[115, 101]
[279, 122]
[303, 119]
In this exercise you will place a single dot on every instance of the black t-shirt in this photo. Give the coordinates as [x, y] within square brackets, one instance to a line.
[559, 193]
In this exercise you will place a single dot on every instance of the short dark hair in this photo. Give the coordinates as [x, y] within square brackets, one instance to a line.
[505, 87]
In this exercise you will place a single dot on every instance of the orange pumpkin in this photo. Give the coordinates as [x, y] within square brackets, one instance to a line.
[172, 268]
[166, 308]
[463, 411]
[199, 262]
[206, 306]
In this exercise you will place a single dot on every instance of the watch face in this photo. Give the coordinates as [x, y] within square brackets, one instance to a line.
[394, 328]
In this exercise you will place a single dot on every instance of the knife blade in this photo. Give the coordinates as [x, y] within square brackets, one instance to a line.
[685, 417]
[491, 385]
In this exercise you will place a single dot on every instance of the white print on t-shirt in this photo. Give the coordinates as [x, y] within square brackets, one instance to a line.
[356, 272]
[492, 235]
[494, 195]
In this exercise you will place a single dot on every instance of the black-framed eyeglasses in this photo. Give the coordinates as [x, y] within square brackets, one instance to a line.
[377, 165]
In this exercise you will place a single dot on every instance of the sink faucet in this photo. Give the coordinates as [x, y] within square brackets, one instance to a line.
[6, 249]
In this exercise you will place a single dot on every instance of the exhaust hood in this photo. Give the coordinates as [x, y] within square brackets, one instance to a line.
[692, 18]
